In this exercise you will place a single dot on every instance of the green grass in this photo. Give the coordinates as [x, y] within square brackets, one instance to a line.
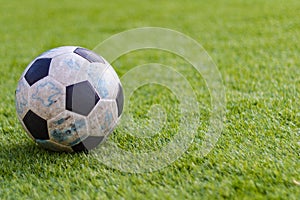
[255, 44]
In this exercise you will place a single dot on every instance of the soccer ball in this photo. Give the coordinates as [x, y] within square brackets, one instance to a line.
[69, 99]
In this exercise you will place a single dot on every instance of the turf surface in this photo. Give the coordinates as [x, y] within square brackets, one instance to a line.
[255, 44]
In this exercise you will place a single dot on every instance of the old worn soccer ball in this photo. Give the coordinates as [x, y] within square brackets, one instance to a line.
[69, 99]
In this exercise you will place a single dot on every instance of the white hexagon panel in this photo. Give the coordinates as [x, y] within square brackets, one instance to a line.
[68, 128]
[47, 98]
[106, 85]
[95, 71]
[103, 118]
[69, 68]
[22, 100]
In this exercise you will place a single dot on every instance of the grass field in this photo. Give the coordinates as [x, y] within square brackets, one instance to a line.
[255, 45]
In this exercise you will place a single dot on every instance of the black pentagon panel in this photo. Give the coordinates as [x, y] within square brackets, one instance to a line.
[38, 70]
[89, 55]
[120, 100]
[36, 125]
[81, 98]
[88, 144]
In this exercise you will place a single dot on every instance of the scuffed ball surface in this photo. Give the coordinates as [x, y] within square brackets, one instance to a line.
[69, 99]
